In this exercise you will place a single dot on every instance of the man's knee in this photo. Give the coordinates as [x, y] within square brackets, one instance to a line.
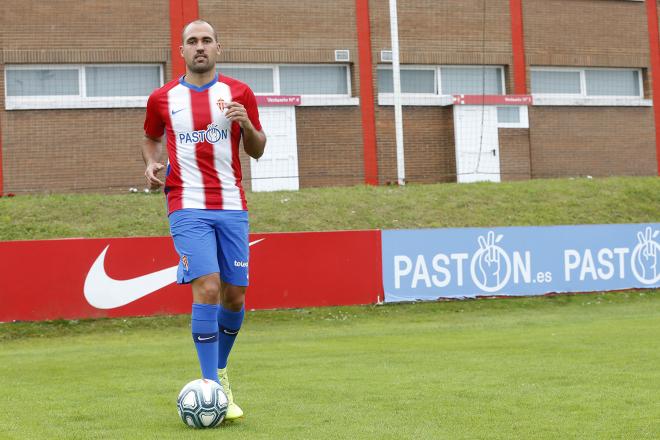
[233, 296]
[206, 289]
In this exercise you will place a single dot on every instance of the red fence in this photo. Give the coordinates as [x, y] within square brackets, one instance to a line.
[89, 278]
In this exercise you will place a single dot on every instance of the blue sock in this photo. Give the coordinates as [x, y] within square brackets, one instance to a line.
[229, 324]
[205, 335]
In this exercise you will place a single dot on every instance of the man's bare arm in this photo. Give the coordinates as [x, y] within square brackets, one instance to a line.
[254, 141]
[151, 152]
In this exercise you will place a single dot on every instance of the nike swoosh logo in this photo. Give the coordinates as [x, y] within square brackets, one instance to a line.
[104, 292]
[199, 338]
[174, 112]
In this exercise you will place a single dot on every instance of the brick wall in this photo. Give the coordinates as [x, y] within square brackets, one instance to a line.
[514, 154]
[278, 26]
[103, 151]
[329, 146]
[72, 150]
[428, 137]
[78, 150]
[282, 31]
[595, 141]
[607, 33]
[445, 32]
[70, 31]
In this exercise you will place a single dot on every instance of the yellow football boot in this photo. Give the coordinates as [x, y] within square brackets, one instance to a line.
[233, 411]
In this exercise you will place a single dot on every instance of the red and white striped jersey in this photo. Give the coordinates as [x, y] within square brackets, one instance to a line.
[203, 170]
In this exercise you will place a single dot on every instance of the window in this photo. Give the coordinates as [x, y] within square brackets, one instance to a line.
[328, 80]
[587, 82]
[444, 80]
[508, 115]
[471, 80]
[314, 80]
[412, 81]
[260, 79]
[42, 82]
[512, 116]
[613, 82]
[121, 80]
[76, 86]
[556, 81]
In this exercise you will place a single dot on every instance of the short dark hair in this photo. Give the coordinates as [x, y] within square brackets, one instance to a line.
[199, 20]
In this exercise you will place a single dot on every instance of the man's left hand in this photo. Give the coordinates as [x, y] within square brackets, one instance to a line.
[237, 113]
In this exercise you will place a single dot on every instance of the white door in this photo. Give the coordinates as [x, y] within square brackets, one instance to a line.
[477, 143]
[277, 169]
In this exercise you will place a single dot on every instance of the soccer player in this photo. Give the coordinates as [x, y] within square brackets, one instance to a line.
[204, 116]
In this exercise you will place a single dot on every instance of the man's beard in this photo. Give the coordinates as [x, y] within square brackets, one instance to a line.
[200, 68]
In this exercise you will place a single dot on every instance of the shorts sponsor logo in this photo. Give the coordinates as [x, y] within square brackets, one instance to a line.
[240, 263]
[212, 135]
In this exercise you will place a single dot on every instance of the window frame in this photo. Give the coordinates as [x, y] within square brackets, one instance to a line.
[640, 82]
[276, 76]
[460, 66]
[583, 83]
[273, 67]
[436, 74]
[432, 99]
[47, 102]
[18, 67]
[347, 71]
[523, 121]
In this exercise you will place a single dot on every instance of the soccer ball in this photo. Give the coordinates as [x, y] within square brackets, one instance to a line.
[202, 404]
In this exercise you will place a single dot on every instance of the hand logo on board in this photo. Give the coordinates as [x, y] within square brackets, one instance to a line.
[491, 266]
[644, 259]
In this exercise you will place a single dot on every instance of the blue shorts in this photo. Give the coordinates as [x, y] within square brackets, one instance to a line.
[211, 241]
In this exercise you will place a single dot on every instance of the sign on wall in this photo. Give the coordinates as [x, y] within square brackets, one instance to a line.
[470, 262]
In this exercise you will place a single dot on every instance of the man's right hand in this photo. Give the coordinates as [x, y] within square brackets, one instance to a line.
[150, 173]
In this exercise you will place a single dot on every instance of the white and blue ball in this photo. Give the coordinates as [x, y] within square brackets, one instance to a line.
[202, 404]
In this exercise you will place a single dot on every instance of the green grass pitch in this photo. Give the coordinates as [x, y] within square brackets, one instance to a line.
[564, 367]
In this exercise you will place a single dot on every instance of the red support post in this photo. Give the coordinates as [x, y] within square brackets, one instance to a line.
[181, 13]
[1, 177]
[366, 93]
[654, 47]
[518, 47]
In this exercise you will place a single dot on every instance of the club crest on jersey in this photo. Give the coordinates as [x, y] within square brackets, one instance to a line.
[221, 104]
[212, 135]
